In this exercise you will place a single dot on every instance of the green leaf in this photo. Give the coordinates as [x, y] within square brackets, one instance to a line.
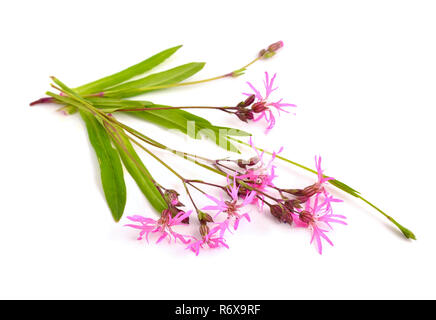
[111, 171]
[126, 74]
[173, 119]
[168, 77]
[234, 132]
[139, 172]
[340, 185]
[220, 139]
[162, 121]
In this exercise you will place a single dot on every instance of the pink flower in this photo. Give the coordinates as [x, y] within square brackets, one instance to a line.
[317, 217]
[260, 177]
[263, 106]
[212, 240]
[163, 226]
[231, 207]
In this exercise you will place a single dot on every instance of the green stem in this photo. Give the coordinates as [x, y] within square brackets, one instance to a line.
[340, 185]
[169, 108]
[407, 233]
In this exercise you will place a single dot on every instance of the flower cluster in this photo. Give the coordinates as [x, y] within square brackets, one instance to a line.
[311, 208]
[249, 182]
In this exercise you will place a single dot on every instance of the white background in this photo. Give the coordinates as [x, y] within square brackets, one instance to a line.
[363, 76]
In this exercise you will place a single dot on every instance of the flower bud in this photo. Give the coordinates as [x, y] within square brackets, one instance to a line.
[204, 217]
[244, 115]
[249, 100]
[207, 217]
[276, 211]
[306, 192]
[275, 46]
[172, 197]
[292, 204]
[259, 107]
[281, 213]
[289, 219]
[271, 50]
[294, 192]
[240, 105]
[42, 100]
[311, 190]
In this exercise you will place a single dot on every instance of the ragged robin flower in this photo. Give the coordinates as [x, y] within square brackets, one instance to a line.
[263, 106]
[231, 207]
[211, 238]
[317, 216]
[162, 226]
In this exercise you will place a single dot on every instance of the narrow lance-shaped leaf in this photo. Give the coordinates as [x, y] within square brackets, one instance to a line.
[111, 171]
[126, 74]
[186, 122]
[168, 77]
[128, 155]
[139, 172]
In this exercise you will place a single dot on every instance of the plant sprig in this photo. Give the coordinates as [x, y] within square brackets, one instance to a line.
[114, 144]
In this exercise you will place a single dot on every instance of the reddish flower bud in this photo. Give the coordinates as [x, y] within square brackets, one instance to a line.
[259, 107]
[271, 50]
[172, 197]
[240, 105]
[249, 100]
[207, 217]
[244, 115]
[42, 100]
[275, 46]
[292, 204]
[276, 211]
[204, 217]
[281, 213]
[289, 219]
[311, 190]
[306, 192]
